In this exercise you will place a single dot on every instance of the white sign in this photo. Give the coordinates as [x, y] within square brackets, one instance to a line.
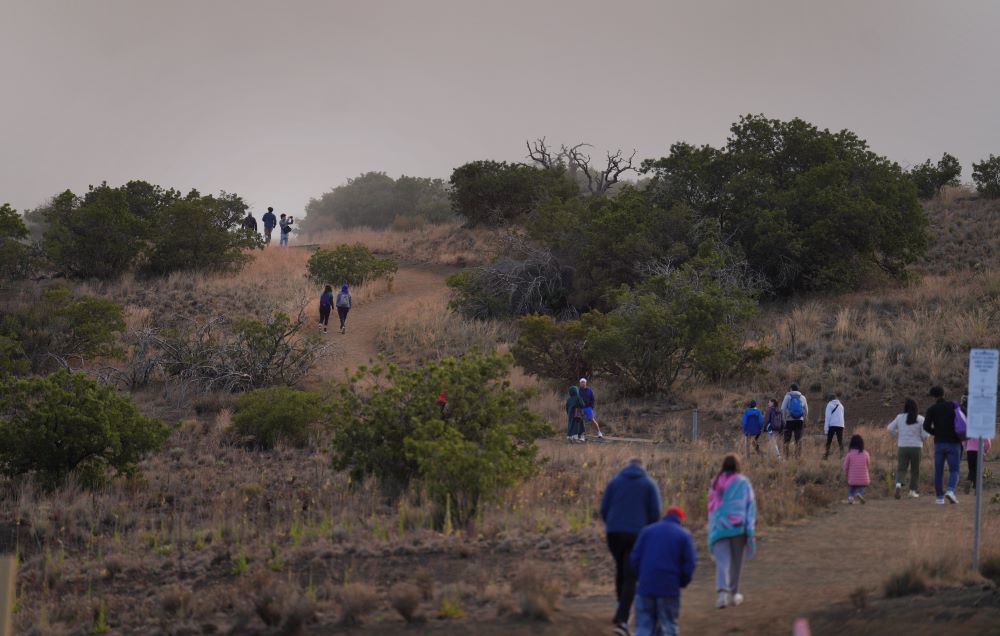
[982, 414]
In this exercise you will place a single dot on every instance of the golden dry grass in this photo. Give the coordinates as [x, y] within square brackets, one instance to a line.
[442, 244]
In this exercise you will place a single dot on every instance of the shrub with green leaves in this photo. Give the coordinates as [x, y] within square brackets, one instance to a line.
[930, 178]
[67, 424]
[18, 259]
[278, 413]
[548, 348]
[986, 176]
[350, 264]
[388, 424]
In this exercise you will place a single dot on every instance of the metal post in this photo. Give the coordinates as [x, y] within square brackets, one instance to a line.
[694, 424]
[979, 505]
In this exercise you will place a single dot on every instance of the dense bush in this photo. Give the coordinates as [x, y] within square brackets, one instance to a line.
[67, 424]
[930, 178]
[494, 193]
[388, 424]
[350, 264]
[277, 413]
[552, 349]
[377, 200]
[986, 176]
[18, 259]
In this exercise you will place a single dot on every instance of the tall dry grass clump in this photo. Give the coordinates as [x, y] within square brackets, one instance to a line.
[427, 330]
[440, 244]
[538, 592]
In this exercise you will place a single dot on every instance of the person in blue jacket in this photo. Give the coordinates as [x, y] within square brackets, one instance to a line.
[269, 223]
[664, 559]
[753, 424]
[631, 502]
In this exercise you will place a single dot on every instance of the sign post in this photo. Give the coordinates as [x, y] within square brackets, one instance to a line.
[982, 421]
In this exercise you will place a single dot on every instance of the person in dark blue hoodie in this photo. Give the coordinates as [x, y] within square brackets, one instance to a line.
[753, 425]
[664, 558]
[631, 502]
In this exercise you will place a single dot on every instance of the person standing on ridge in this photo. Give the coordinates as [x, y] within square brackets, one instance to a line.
[250, 223]
[795, 410]
[939, 421]
[631, 502]
[833, 424]
[286, 228]
[269, 223]
[344, 304]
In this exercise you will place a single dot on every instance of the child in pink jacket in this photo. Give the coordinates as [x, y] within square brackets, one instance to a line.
[856, 469]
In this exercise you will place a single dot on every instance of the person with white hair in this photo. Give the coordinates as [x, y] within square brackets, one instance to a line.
[587, 394]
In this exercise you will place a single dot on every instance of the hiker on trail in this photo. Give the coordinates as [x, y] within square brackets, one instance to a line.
[753, 425]
[631, 502]
[856, 469]
[795, 410]
[587, 394]
[732, 518]
[833, 424]
[908, 429]
[286, 228]
[343, 306]
[774, 424]
[250, 223]
[972, 456]
[664, 559]
[269, 222]
[574, 416]
[939, 421]
[325, 306]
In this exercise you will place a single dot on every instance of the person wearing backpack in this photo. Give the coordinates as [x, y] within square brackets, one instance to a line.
[325, 306]
[833, 424]
[269, 222]
[939, 421]
[753, 425]
[286, 228]
[908, 429]
[774, 424]
[795, 410]
[343, 306]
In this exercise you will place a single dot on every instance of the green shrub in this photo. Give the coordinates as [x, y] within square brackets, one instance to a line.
[930, 178]
[64, 423]
[18, 260]
[350, 264]
[392, 427]
[550, 349]
[277, 413]
[986, 176]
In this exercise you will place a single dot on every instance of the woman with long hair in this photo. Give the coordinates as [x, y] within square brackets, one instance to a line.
[908, 429]
[732, 516]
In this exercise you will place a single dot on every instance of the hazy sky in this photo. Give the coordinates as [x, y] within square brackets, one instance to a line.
[280, 101]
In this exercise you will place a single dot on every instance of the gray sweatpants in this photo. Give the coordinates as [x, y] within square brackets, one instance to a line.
[728, 554]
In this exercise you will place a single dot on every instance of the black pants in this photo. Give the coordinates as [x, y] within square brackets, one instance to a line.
[324, 315]
[793, 427]
[972, 457]
[839, 432]
[342, 312]
[620, 544]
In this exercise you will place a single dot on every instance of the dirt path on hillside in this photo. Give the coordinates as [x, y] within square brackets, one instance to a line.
[356, 347]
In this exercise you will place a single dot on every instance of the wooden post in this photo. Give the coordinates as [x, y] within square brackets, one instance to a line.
[8, 583]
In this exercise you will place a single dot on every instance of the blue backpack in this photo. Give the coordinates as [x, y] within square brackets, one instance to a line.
[795, 407]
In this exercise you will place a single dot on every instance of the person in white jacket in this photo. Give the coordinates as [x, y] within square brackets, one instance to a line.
[908, 429]
[833, 424]
[795, 408]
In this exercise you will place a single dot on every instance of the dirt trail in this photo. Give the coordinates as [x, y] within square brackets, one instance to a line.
[357, 346]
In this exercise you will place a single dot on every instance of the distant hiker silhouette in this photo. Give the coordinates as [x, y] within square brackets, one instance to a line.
[325, 306]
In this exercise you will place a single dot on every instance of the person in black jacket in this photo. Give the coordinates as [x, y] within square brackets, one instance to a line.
[940, 423]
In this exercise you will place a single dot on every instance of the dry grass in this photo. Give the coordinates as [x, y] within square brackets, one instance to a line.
[357, 600]
[538, 592]
[444, 244]
[405, 599]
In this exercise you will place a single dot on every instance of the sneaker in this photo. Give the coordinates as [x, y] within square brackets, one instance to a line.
[342, 330]
[722, 601]
[570, 438]
[850, 500]
[968, 487]
[621, 629]
[860, 497]
[913, 494]
[737, 599]
[939, 501]
[582, 438]
[601, 435]
[899, 490]
[950, 496]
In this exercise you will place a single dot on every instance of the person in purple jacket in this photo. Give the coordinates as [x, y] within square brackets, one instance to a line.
[664, 559]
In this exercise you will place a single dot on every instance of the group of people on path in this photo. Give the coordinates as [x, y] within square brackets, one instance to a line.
[270, 222]
[655, 556]
[944, 421]
[579, 411]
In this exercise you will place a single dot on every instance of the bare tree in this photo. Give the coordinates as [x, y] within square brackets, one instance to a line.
[599, 181]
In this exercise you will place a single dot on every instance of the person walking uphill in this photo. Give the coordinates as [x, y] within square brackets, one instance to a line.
[732, 518]
[908, 429]
[344, 305]
[664, 559]
[774, 424]
[856, 470]
[833, 424]
[753, 425]
[269, 223]
[939, 421]
[631, 502]
[325, 306]
[574, 416]
[972, 456]
[795, 410]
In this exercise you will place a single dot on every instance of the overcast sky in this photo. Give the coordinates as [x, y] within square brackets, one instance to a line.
[280, 101]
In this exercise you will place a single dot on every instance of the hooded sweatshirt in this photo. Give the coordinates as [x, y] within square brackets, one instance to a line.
[573, 402]
[784, 407]
[834, 416]
[631, 501]
[753, 421]
[940, 422]
[909, 435]
[663, 558]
